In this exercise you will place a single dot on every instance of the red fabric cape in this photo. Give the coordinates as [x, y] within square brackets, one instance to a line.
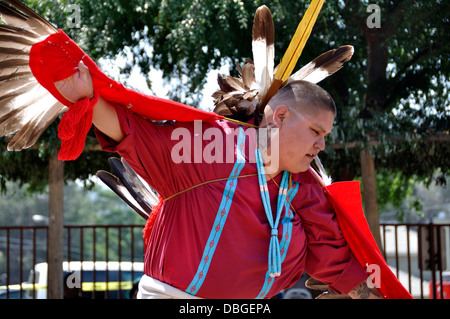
[57, 58]
[346, 200]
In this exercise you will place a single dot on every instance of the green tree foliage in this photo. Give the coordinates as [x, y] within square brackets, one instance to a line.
[98, 206]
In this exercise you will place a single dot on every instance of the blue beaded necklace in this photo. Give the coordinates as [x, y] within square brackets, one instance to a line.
[274, 248]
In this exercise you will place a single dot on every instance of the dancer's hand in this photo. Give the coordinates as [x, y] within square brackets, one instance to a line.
[78, 86]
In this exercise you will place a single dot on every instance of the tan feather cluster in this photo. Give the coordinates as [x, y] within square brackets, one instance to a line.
[237, 99]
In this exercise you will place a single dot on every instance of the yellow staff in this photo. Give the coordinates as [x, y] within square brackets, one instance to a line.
[294, 51]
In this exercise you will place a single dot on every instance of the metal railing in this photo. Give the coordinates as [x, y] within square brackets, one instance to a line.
[22, 248]
[419, 256]
[417, 253]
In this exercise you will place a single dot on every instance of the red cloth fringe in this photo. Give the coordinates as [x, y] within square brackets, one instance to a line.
[151, 221]
[73, 128]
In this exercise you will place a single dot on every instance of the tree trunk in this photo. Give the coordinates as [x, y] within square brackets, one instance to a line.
[55, 228]
[374, 102]
[370, 194]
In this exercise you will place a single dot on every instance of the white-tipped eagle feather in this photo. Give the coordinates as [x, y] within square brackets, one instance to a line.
[263, 49]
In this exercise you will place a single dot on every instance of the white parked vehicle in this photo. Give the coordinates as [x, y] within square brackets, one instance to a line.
[88, 279]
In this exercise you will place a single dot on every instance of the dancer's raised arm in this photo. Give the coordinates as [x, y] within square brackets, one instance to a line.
[79, 86]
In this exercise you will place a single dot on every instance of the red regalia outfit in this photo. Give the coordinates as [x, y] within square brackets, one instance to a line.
[177, 251]
[309, 232]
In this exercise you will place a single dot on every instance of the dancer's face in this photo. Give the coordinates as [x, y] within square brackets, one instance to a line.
[301, 134]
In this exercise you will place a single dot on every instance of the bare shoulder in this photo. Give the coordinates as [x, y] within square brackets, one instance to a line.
[106, 120]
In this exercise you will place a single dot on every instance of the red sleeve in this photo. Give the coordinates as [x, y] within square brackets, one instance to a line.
[329, 258]
[147, 149]
[152, 150]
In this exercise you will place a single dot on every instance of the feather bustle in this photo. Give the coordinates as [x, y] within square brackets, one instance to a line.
[147, 194]
[248, 75]
[238, 97]
[12, 62]
[32, 130]
[117, 187]
[12, 30]
[31, 20]
[14, 84]
[19, 116]
[131, 188]
[16, 71]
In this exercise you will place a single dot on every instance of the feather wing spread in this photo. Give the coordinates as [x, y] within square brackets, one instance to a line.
[26, 108]
[238, 98]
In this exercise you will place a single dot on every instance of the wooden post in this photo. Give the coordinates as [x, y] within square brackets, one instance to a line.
[55, 228]
[370, 194]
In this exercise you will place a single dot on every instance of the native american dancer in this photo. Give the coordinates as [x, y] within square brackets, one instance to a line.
[233, 218]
